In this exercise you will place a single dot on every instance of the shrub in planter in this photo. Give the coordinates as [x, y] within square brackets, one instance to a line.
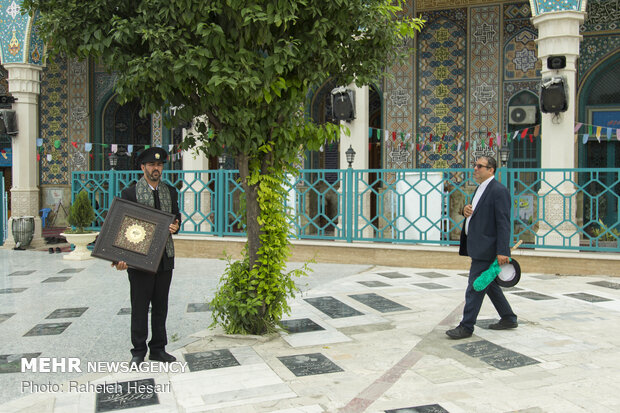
[81, 214]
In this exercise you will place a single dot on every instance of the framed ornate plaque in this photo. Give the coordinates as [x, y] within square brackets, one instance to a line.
[133, 233]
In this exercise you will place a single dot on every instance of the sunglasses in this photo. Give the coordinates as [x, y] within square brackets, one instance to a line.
[479, 165]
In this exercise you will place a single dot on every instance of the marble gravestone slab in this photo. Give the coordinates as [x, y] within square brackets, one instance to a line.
[534, 295]
[12, 290]
[379, 303]
[301, 325]
[309, 364]
[432, 274]
[332, 307]
[430, 286]
[198, 308]
[591, 298]
[606, 284]
[21, 273]
[393, 275]
[70, 270]
[127, 310]
[6, 316]
[67, 312]
[374, 284]
[497, 356]
[126, 395]
[12, 363]
[55, 280]
[429, 408]
[209, 360]
[47, 329]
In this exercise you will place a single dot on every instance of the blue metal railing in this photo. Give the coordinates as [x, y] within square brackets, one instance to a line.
[573, 209]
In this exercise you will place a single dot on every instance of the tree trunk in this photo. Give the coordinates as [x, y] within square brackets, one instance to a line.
[252, 211]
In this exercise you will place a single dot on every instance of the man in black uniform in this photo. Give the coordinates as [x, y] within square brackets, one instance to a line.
[147, 288]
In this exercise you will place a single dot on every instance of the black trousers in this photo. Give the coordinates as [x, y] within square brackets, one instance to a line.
[148, 289]
[473, 298]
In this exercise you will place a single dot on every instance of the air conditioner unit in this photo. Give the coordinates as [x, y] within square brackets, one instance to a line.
[522, 115]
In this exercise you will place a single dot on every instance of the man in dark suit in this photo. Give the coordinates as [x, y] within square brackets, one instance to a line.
[147, 288]
[485, 237]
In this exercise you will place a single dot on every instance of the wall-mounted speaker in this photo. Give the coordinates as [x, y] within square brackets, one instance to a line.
[343, 104]
[556, 62]
[8, 122]
[553, 95]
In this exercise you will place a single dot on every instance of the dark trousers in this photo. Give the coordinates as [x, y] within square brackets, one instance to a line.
[473, 298]
[148, 289]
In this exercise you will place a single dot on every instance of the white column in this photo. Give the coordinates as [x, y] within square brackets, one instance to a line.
[558, 35]
[358, 139]
[195, 197]
[359, 131]
[24, 85]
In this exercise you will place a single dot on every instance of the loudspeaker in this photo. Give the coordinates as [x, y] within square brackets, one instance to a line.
[8, 122]
[343, 104]
[556, 62]
[553, 95]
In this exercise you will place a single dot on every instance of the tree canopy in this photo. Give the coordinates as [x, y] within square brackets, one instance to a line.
[241, 71]
[245, 64]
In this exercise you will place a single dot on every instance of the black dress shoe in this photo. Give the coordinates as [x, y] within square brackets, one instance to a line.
[136, 360]
[459, 332]
[51, 250]
[162, 356]
[503, 325]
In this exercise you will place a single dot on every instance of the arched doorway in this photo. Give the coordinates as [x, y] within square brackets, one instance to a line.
[599, 105]
[524, 112]
[122, 125]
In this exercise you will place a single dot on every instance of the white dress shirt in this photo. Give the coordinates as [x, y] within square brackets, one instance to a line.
[474, 203]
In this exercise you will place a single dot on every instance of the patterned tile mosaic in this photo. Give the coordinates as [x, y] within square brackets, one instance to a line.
[442, 48]
[54, 123]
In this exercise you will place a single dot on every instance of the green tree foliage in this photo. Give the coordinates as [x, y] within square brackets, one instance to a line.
[241, 69]
[81, 213]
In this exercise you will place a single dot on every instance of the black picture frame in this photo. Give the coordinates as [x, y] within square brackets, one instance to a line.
[134, 233]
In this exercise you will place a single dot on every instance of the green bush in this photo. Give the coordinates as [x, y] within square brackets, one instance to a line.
[81, 213]
[253, 300]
